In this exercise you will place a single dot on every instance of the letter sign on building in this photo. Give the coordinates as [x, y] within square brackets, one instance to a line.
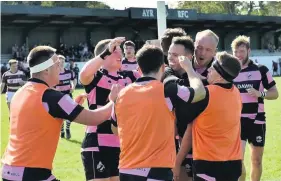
[147, 13]
[183, 14]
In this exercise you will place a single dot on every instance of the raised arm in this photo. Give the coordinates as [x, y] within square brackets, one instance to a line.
[92, 66]
[194, 79]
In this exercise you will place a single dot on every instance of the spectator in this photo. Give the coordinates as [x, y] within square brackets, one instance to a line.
[280, 65]
[71, 65]
[275, 68]
[3, 69]
[14, 51]
[76, 72]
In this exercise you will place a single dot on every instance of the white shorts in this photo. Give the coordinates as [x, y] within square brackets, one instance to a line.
[9, 96]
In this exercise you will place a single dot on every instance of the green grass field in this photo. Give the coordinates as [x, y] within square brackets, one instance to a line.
[68, 165]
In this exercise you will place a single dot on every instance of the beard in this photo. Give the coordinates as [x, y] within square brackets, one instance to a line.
[245, 60]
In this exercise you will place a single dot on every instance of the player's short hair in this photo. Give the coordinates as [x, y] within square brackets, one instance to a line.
[185, 41]
[150, 58]
[101, 46]
[240, 40]
[207, 33]
[168, 35]
[12, 61]
[61, 57]
[39, 55]
[229, 63]
[129, 43]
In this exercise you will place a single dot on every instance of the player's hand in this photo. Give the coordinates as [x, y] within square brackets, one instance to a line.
[176, 172]
[185, 62]
[115, 89]
[201, 76]
[80, 99]
[115, 43]
[253, 92]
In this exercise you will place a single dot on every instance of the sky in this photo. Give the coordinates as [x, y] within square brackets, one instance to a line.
[122, 4]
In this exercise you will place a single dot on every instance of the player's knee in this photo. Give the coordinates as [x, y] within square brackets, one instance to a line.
[103, 179]
[257, 161]
[114, 178]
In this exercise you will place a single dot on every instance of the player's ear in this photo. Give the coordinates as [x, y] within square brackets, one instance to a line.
[139, 70]
[163, 68]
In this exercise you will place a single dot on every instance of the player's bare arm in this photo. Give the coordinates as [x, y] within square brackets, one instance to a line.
[2, 86]
[73, 85]
[98, 116]
[186, 145]
[92, 66]
[270, 94]
[194, 79]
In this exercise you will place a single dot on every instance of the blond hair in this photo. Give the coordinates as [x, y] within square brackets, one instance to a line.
[207, 33]
[240, 40]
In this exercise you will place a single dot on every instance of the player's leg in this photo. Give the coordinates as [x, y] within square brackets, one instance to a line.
[243, 175]
[8, 104]
[256, 160]
[67, 130]
[102, 179]
[94, 167]
[257, 148]
[9, 96]
[62, 133]
[244, 138]
[186, 168]
[114, 178]
[113, 163]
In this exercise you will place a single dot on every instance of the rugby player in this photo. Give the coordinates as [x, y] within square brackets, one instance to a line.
[101, 148]
[255, 84]
[166, 40]
[13, 79]
[37, 113]
[129, 61]
[205, 49]
[148, 153]
[215, 140]
[66, 86]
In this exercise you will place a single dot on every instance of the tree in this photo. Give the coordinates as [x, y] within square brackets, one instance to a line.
[220, 7]
[274, 8]
[70, 4]
[259, 8]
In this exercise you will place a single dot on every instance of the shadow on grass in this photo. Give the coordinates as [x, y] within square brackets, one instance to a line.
[74, 141]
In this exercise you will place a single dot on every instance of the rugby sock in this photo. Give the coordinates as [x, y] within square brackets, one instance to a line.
[62, 128]
[68, 124]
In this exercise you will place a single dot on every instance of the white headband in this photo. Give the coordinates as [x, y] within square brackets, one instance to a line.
[42, 66]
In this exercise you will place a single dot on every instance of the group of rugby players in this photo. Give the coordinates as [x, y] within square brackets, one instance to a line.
[184, 112]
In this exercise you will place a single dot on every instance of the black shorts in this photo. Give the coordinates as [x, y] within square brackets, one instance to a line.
[11, 173]
[218, 171]
[144, 174]
[67, 92]
[103, 164]
[252, 132]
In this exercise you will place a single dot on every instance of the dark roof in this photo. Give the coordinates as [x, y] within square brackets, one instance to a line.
[31, 17]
